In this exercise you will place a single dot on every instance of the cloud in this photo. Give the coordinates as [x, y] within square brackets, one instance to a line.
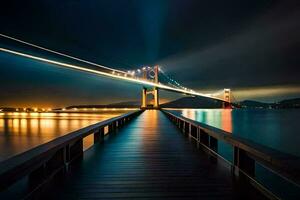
[262, 54]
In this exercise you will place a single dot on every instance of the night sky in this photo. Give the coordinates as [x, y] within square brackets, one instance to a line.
[251, 47]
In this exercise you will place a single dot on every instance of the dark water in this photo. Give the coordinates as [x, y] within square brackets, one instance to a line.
[278, 129]
[22, 131]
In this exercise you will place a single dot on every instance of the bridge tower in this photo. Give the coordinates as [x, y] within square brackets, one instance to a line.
[154, 91]
[227, 98]
[227, 95]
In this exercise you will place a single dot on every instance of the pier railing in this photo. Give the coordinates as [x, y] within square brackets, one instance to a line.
[245, 155]
[42, 163]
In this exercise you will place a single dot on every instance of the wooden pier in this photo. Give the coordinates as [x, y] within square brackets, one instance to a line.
[150, 159]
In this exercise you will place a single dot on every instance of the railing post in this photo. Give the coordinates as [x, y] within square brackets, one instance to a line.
[66, 157]
[120, 122]
[99, 135]
[96, 136]
[244, 162]
[110, 128]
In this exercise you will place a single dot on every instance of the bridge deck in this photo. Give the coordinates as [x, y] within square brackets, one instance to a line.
[149, 158]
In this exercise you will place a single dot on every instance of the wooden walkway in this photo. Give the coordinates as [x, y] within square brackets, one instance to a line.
[149, 159]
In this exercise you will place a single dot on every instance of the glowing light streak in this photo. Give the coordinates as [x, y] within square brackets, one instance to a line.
[58, 53]
[113, 75]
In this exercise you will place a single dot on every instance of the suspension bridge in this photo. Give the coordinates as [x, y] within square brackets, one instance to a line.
[147, 153]
[146, 76]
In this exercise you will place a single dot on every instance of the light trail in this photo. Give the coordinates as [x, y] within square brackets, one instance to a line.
[115, 76]
[58, 53]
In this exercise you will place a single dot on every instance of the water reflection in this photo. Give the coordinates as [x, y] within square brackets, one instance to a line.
[220, 118]
[22, 131]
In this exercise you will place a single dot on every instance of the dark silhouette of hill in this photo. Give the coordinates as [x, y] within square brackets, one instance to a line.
[193, 102]
[126, 104]
[201, 102]
[288, 103]
[254, 104]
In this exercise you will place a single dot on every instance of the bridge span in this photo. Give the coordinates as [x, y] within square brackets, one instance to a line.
[118, 75]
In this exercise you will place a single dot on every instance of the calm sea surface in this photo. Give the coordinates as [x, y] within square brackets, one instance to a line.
[278, 129]
[22, 131]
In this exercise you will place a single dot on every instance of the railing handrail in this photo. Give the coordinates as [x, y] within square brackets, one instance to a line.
[284, 164]
[42, 151]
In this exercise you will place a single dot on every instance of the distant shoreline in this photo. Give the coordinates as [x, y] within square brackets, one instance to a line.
[181, 103]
